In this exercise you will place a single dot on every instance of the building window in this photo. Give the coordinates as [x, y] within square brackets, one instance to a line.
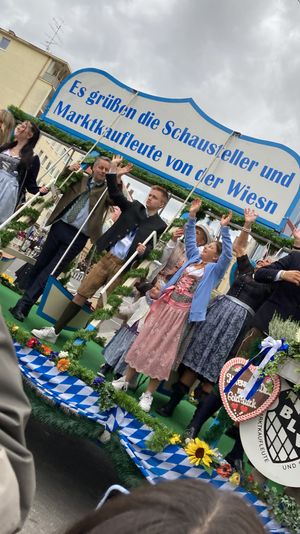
[48, 165]
[4, 42]
[43, 160]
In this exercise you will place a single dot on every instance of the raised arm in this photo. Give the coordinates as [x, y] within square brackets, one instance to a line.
[226, 255]
[241, 242]
[114, 192]
[191, 248]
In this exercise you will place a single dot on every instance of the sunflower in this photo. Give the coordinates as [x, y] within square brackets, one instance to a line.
[199, 452]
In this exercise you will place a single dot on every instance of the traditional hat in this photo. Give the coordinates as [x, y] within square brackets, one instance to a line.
[209, 237]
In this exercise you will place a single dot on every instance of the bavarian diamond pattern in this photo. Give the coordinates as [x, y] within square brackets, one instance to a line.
[279, 445]
[74, 396]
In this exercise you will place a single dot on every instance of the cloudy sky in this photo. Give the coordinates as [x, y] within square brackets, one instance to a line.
[238, 59]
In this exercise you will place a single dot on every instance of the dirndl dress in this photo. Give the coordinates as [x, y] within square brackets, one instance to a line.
[154, 352]
[116, 350]
[9, 185]
[206, 345]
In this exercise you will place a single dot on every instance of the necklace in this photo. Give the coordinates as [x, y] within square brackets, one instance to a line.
[14, 152]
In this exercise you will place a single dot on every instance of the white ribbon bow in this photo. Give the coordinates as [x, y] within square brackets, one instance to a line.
[274, 345]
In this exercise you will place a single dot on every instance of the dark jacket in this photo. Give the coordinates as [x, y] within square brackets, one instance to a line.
[72, 193]
[285, 299]
[246, 288]
[133, 216]
[28, 176]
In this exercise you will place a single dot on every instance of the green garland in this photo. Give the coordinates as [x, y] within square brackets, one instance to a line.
[114, 300]
[137, 273]
[155, 255]
[18, 225]
[109, 397]
[9, 233]
[6, 236]
[86, 335]
[30, 212]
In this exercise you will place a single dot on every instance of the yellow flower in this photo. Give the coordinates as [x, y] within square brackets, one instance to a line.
[175, 439]
[235, 479]
[9, 279]
[199, 452]
[14, 328]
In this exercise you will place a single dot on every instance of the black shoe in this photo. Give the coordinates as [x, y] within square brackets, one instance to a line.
[167, 409]
[104, 369]
[179, 391]
[19, 311]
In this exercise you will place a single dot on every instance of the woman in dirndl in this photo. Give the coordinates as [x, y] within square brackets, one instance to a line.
[186, 296]
[19, 168]
[208, 344]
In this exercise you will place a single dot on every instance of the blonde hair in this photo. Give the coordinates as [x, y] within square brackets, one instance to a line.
[7, 125]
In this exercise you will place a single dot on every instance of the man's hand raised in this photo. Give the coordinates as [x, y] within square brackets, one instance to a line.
[125, 169]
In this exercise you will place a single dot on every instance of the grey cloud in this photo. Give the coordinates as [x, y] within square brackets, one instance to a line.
[239, 60]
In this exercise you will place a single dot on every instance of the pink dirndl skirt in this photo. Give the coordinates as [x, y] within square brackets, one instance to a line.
[154, 351]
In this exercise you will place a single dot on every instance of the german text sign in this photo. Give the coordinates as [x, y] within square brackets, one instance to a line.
[177, 140]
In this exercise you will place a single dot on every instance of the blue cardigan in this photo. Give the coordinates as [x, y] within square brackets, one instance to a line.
[213, 272]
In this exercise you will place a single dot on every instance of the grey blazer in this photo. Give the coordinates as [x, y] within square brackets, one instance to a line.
[14, 414]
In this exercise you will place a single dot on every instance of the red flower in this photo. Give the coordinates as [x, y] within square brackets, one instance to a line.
[224, 470]
[251, 479]
[32, 342]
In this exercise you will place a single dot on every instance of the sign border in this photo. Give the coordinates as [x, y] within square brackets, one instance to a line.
[278, 227]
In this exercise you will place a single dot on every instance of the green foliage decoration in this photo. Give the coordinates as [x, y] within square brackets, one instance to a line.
[110, 397]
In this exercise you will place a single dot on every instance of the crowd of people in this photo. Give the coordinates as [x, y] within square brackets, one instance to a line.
[175, 324]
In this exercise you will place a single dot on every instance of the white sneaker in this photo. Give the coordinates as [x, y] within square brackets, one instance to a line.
[146, 401]
[47, 334]
[120, 384]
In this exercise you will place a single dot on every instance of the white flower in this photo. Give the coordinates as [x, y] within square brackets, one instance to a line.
[63, 354]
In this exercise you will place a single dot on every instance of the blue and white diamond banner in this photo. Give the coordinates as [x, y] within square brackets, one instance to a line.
[74, 396]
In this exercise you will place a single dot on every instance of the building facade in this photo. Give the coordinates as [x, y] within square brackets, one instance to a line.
[29, 75]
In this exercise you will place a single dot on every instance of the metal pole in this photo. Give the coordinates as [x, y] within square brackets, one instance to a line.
[196, 185]
[32, 199]
[116, 119]
[77, 234]
[112, 280]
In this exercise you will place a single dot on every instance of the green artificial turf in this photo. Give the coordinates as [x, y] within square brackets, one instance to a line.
[92, 359]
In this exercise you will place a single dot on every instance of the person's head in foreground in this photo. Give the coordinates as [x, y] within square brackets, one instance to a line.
[177, 507]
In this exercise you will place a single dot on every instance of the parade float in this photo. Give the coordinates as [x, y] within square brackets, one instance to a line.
[61, 381]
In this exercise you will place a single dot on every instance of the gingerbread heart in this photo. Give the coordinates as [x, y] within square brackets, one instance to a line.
[238, 408]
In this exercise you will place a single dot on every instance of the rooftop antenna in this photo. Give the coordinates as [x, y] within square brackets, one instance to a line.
[56, 27]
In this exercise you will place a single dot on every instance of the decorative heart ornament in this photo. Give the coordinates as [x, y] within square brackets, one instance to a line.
[239, 408]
